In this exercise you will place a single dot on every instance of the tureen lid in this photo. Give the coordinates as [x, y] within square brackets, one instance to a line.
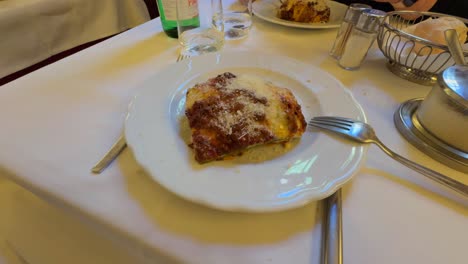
[454, 82]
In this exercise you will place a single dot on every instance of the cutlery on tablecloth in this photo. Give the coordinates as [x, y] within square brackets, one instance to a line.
[332, 230]
[110, 156]
[364, 133]
[455, 48]
[119, 145]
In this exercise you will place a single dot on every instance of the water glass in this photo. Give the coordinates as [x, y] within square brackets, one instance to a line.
[196, 33]
[236, 17]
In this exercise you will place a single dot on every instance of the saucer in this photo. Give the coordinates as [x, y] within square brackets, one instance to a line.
[408, 125]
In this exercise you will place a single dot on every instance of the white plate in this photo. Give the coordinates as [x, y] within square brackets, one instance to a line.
[267, 10]
[317, 166]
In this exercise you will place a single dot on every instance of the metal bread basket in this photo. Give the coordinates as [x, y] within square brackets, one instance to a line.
[411, 57]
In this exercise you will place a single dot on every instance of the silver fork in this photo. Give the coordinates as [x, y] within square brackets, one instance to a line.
[120, 144]
[364, 133]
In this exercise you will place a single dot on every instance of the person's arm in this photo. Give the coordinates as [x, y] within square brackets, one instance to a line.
[418, 5]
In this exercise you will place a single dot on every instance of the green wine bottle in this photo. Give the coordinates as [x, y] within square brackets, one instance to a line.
[188, 15]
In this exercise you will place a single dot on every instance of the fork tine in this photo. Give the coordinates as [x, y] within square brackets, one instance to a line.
[346, 127]
[336, 118]
[328, 126]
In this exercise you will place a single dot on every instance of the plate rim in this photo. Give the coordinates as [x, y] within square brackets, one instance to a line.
[326, 190]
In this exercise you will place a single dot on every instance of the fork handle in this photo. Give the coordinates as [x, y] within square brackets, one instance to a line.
[433, 175]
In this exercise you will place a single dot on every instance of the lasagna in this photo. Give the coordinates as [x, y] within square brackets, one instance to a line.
[229, 114]
[304, 11]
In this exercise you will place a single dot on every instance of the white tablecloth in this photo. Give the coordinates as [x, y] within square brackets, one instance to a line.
[33, 30]
[40, 233]
[54, 132]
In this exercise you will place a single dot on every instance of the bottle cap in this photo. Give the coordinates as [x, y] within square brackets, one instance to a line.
[370, 20]
[354, 12]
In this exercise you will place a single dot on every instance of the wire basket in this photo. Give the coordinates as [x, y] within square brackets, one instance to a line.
[411, 57]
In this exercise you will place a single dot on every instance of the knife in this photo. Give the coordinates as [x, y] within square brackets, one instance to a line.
[332, 230]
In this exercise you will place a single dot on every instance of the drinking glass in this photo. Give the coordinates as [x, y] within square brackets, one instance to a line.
[194, 25]
[236, 17]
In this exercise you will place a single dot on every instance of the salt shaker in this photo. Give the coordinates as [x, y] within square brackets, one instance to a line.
[350, 19]
[361, 38]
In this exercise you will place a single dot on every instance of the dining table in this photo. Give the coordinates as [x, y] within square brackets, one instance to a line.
[58, 121]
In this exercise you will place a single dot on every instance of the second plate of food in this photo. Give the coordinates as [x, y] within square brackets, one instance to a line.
[266, 178]
[268, 10]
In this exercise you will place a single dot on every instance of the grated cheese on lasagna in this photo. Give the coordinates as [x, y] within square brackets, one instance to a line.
[228, 114]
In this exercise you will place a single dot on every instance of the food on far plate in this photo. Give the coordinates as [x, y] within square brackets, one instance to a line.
[433, 31]
[245, 2]
[229, 114]
[305, 11]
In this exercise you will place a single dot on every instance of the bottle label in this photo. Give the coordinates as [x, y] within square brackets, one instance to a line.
[187, 10]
